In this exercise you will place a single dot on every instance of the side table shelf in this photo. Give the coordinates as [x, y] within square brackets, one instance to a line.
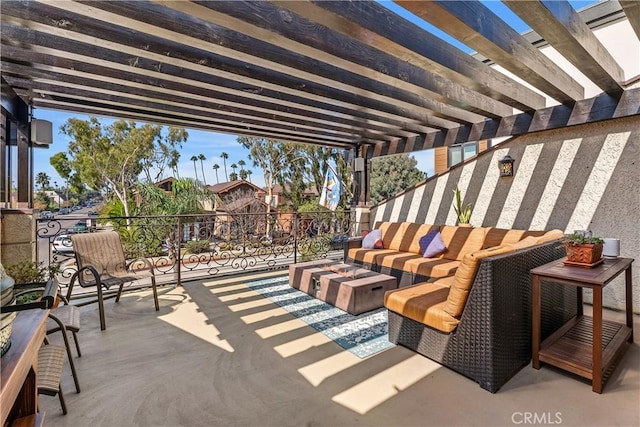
[570, 348]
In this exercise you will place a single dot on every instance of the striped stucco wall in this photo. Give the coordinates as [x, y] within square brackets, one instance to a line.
[582, 177]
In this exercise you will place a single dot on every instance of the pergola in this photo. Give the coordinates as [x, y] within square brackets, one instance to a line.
[353, 75]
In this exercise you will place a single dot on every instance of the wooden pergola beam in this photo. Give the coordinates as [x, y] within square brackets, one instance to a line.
[561, 26]
[631, 8]
[479, 28]
[599, 108]
[375, 25]
[180, 39]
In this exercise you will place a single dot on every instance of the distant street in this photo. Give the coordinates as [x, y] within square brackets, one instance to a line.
[61, 222]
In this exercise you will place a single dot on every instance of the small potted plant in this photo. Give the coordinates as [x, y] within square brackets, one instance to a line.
[31, 274]
[583, 249]
[463, 213]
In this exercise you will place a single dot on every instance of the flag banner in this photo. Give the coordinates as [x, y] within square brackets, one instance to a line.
[331, 191]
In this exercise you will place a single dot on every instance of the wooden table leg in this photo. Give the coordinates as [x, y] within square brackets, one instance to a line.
[629, 300]
[596, 365]
[535, 321]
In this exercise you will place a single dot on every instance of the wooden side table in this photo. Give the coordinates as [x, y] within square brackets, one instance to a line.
[586, 346]
[18, 392]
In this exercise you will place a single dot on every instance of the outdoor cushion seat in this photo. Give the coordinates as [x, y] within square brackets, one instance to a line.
[50, 364]
[101, 263]
[423, 303]
[423, 268]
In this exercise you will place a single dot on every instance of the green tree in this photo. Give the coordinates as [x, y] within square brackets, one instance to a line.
[202, 158]
[215, 168]
[225, 156]
[42, 179]
[233, 176]
[194, 159]
[186, 198]
[166, 154]
[272, 156]
[110, 158]
[233, 166]
[241, 163]
[392, 174]
[243, 174]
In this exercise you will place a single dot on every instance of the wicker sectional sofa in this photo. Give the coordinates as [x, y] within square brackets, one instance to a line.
[475, 320]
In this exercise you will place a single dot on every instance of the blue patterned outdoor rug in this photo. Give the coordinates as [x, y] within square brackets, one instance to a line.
[362, 335]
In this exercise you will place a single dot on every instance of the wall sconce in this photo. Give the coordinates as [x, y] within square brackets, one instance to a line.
[506, 165]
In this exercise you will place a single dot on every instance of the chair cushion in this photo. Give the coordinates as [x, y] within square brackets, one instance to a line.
[465, 276]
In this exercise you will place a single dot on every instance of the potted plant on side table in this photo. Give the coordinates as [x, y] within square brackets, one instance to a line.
[31, 275]
[583, 251]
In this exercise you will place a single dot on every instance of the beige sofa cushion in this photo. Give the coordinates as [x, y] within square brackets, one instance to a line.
[431, 267]
[423, 303]
[550, 235]
[396, 260]
[368, 256]
[442, 281]
[465, 275]
[461, 241]
[393, 234]
[502, 236]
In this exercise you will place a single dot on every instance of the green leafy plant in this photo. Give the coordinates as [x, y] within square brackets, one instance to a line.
[463, 213]
[197, 246]
[32, 271]
[579, 239]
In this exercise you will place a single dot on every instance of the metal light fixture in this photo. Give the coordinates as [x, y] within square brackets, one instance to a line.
[506, 165]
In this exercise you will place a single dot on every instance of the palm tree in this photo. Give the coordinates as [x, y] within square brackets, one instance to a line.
[241, 163]
[234, 167]
[42, 179]
[225, 156]
[243, 174]
[249, 172]
[194, 159]
[201, 157]
[215, 168]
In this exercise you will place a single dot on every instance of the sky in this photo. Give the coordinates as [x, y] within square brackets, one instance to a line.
[213, 144]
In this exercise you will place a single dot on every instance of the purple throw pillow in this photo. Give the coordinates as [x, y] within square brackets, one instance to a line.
[369, 241]
[435, 247]
[426, 239]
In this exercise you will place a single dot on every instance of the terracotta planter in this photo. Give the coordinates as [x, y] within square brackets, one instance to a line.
[584, 253]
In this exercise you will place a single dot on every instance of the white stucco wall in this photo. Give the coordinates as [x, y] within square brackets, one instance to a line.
[581, 177]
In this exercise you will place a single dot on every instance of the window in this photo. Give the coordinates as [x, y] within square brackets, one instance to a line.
[461, 152]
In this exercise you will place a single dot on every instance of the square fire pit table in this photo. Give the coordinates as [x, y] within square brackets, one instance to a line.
[348, 287]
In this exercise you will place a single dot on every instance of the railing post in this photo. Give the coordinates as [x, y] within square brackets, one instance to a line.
[178, 254]
[295, 237]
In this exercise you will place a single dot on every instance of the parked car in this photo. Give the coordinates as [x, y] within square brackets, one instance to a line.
[79, 227]
[62, 244]
[46, 215]
[64, 211]
[93, 213]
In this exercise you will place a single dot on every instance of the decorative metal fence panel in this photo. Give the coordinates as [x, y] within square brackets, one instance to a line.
[186, 247]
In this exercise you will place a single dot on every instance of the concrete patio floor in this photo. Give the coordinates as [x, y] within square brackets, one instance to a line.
[207, 359]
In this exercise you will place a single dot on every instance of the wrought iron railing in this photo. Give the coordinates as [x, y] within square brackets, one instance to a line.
[185, 247]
